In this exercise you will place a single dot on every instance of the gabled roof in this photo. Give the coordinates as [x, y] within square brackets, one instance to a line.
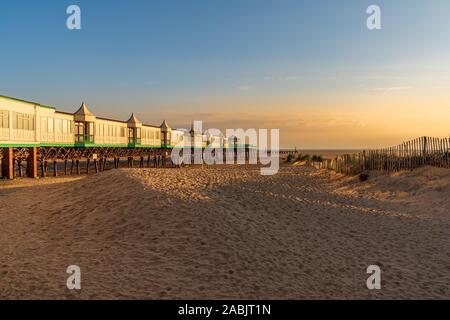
[84, 111]
[134, 120]
[26, 101]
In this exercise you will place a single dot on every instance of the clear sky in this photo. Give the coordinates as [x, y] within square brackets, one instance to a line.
[310, 68]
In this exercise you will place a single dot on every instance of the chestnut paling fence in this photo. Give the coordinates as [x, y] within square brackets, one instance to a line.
[423, 151]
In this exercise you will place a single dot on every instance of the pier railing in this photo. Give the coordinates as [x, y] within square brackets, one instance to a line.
[412, 154]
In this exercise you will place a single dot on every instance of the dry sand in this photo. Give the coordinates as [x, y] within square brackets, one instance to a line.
[329, 153]
[225, 233]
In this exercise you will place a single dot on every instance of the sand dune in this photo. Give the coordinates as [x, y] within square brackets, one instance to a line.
[221, 232]
[423, 192]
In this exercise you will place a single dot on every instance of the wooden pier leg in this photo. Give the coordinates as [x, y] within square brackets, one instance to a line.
[141, 164]
[104, 163]
[148, 162]
[88, 161]
[8, 164]
[95, 166]
[130, 162]
[65, 167]
[71, 166]
[42, 170]
[78, 166]
[55, 169]
[46, 167]
[19, 167]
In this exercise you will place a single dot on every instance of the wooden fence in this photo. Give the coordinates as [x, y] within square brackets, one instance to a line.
[406, 156]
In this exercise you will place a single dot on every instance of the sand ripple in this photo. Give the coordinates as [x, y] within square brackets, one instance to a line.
[220, 232]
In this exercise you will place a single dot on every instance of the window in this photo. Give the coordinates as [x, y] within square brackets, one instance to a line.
[23, 121]
[14, 119]
[43, 124]
[59, 128]
[91, 129]
[79, 132]
[50, 125]
[79, 128]
[4, 119]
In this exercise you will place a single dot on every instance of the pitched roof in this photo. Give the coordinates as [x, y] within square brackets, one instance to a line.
[164, 125]
[84, 111]
[133, 119]
[26, 101]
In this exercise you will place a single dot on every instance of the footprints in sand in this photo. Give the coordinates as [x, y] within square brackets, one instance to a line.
[216, 233]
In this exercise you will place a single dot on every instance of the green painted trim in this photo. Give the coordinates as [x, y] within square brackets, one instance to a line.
[91, 145]
[56, 145]
[28, 102]
[143, 147]
[18, 145]
[134, 145]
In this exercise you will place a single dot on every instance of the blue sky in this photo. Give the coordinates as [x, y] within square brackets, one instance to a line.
[182, 59]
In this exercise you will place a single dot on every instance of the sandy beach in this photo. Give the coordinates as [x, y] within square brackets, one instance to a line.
[226, 233]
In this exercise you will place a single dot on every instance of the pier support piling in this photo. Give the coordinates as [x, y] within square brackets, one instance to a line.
[42, 170]
[8, 164]
[19, 168]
